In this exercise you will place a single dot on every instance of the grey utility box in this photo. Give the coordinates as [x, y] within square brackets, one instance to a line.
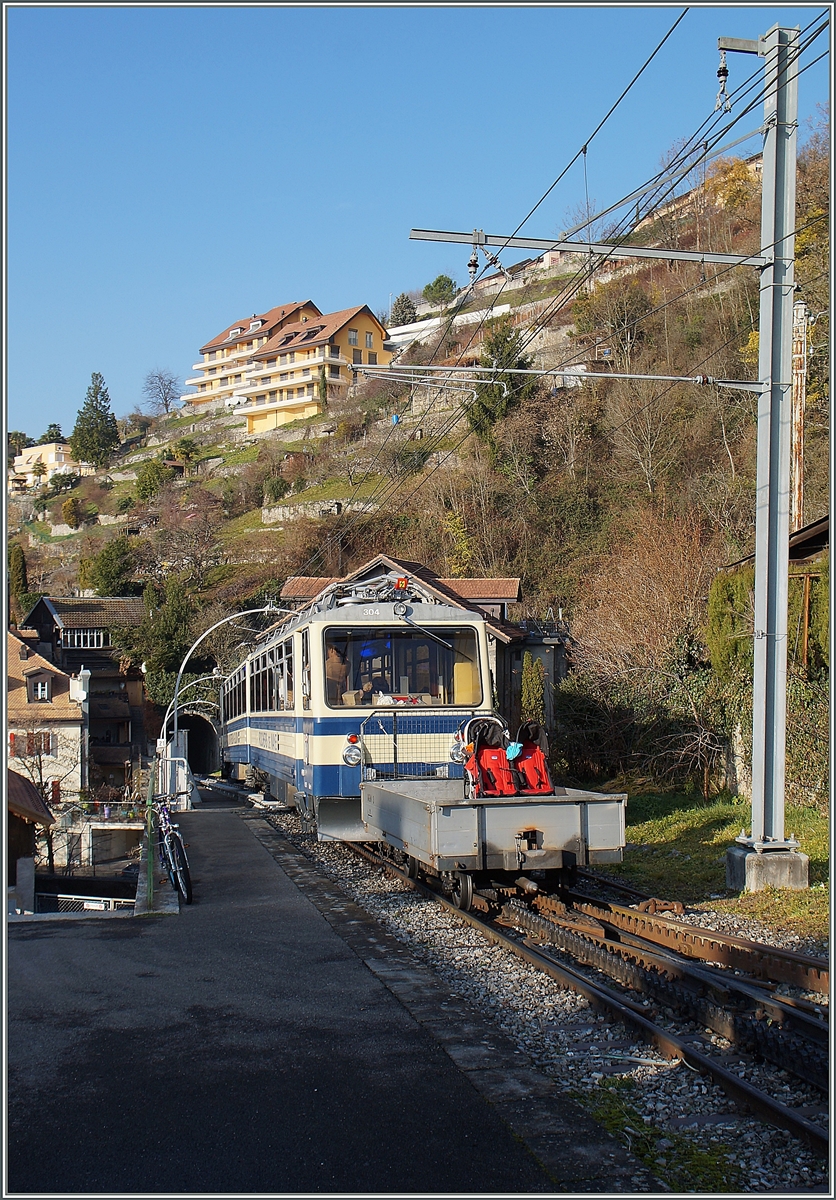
[436, 823]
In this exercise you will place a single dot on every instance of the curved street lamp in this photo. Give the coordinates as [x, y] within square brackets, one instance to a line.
[186, 705]
[216, 676]
[248, 612]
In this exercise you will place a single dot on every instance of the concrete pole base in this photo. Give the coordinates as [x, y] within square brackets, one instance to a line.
[748, 871]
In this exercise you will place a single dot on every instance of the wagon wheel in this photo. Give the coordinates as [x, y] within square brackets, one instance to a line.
[411, 867]
[462, 894]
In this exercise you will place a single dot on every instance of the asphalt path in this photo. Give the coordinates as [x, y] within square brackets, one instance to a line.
[240, 1046]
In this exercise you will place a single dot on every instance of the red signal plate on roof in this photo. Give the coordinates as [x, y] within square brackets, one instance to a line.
[402, 584]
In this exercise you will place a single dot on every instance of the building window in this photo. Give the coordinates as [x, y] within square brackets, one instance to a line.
[224, 380]
[372, 358]
[260, 399]
[40, 689]
[353, 338]
[335, 351]
[28, 745]
[237, 379]
[211, 355]
[292, 356]
[334, 372]
[369, 340]
[283, 376]
[282, 359]
[84, 639]
[265, 379]
[306, 374]
[272, 395]
[357, 356]
[310, 389]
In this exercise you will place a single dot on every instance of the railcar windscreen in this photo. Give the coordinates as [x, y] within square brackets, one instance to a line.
[379, 666]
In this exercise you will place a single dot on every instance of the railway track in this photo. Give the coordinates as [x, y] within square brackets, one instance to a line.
[748, 1015]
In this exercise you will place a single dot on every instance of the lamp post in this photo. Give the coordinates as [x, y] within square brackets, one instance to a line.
[249, 612]
[216, 676]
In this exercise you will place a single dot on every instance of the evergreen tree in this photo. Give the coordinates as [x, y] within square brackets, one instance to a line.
[403, 311]
[532, 689]
[441, 291]
[95, 435]
[112, 569]
[502, 348]
[17, 442]
[71, 512]
[150, 477]
[53, 434]
[18, 582]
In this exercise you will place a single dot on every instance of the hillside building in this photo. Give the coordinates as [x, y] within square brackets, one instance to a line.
[74, 633]
[56, 458]
[46, 722]
[227, 359]
[286, 363]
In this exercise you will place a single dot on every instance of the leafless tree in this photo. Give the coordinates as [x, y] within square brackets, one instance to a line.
[47, 758]
[162, 389]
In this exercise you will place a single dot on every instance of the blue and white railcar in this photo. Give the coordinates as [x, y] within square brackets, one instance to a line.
[316, 705]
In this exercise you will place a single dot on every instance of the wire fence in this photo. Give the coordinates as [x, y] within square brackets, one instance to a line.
[399, 745]
[47, 903]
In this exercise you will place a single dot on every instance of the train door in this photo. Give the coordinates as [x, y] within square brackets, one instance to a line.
[306, 724]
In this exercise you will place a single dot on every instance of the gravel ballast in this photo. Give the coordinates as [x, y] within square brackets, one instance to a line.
[584, 1053]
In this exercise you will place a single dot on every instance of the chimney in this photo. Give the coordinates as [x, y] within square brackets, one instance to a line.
[24, 652]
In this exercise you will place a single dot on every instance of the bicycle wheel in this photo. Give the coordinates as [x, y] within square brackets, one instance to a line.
[167, 861]
[181, 868]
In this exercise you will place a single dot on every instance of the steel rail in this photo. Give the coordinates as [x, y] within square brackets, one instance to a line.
[604, 1000]
[756, 958]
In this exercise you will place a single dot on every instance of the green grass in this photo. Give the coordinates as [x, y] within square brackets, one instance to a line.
[176, 423]
[40, 531]
[248, 522]
[681, 1164]
[333, 489]
[236, 458]
[677, 850]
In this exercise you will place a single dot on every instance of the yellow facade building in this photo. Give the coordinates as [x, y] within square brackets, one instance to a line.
[35, 466]
[287, 363]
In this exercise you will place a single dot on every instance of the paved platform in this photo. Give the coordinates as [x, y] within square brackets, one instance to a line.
[247, 1047]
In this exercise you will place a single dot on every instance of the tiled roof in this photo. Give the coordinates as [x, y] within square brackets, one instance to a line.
[303, 587]
[486, 590]
[24, 800]
[20, 712]
[280, 313]
[299, 334]
[96, 612]
[489, 591]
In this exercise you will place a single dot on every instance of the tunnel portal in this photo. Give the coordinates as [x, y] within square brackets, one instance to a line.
[203, 747]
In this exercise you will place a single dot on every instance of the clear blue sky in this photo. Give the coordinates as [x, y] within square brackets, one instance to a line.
[173, 169]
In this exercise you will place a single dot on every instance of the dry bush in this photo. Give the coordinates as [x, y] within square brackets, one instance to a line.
[646, 598]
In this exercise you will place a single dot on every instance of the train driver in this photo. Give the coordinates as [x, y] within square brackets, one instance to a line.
[379, 684]
[336, 673]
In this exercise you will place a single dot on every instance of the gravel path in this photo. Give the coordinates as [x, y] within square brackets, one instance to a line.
[686, 1116]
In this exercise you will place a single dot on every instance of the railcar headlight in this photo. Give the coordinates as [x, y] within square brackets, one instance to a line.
[458, 753]
[400, 609]
[352, 753]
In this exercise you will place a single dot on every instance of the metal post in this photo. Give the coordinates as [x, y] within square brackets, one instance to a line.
[747, 866]
[773, 455]
[800, 314]
[149, 813]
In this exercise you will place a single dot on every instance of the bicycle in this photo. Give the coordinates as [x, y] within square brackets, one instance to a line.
[170, 846]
